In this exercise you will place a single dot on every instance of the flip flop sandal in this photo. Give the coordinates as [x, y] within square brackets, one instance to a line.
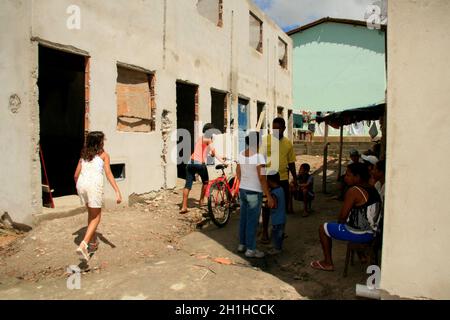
[318, 266]
[184, 211]
[83, 253]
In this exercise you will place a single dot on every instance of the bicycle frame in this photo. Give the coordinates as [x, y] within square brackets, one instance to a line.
[234, 190]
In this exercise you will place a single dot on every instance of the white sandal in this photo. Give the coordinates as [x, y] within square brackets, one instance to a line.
[83, 252]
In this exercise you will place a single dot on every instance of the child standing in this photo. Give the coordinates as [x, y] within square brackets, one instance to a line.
[93, 164]
[253, 184]
[277, 213]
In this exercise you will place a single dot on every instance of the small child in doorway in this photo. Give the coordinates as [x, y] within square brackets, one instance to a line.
[277, 213]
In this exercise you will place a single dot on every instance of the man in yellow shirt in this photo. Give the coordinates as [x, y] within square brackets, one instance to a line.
[280, 156]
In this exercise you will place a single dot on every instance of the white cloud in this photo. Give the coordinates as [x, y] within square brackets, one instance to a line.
[301, 12]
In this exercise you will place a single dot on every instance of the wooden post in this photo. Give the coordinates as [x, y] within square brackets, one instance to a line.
[325, 160]
[383, 122]
[341, 144]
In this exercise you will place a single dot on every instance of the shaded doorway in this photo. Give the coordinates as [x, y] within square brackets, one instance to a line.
[61, 85]
[261, 115]
[290, 125]
[219, 110]
[187, 99]
[243, 122]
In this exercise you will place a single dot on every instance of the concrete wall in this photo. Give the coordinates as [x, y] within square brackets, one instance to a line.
[338, 66]
[168, 37]
[415, 260]
[20, 185]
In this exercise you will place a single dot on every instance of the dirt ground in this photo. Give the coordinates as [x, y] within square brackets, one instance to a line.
[149, 251]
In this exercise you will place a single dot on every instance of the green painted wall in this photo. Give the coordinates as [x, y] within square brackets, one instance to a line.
[337, 67]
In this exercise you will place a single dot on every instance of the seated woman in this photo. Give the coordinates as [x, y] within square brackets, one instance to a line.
[357, 221]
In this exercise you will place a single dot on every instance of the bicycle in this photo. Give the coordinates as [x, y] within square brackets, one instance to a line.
[223, 197]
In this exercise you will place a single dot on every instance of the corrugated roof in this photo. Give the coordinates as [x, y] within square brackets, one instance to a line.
[329, 19]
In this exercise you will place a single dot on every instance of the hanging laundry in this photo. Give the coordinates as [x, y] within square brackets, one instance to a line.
[298, 121]
[357, 129]
[373, 131]
[320, 129]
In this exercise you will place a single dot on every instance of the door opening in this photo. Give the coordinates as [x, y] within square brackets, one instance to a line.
[187, 114]
[219, 110]
[243, 122]
[290, 125]
[62, 106]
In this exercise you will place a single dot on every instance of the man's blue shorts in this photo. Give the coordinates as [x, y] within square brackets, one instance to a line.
[193, 168]
[340, 231]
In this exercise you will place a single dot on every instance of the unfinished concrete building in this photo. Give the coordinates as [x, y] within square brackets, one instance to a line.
[136, 70]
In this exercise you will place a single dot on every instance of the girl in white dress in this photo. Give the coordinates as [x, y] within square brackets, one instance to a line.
[93, 164]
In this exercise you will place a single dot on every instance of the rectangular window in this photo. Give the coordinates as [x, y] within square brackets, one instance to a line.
[118, 171]
[256, 33]
[282, 53]
[211, 10]
[136, 108]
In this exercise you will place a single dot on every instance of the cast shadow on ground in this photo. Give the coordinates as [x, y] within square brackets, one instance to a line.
[80, 235]
[301, 247]
[84, 265]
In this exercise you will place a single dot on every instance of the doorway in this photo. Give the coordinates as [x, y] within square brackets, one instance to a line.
[187, 100]
[219, 110]
[61, 85]
[243, 122]
[261, 110]
[290, 125]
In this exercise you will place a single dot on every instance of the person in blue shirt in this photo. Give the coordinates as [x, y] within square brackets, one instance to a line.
[277, 213]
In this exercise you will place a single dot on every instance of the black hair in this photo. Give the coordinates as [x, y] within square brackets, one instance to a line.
[207, 127]
[381, 165]
[253, 137]
[93, 146]
[359, 169]
[208, 130]
[306, 166]
[280, 121]
[274, 177]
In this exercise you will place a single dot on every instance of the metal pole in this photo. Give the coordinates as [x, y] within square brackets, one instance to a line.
[325, 160]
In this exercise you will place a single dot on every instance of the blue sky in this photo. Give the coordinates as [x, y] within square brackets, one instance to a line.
[291, 13]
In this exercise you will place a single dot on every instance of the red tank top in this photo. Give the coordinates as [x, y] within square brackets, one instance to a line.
[200, 151]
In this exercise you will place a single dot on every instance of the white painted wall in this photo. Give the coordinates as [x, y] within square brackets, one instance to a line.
[181, 46]
[19, 195]
[415, 261]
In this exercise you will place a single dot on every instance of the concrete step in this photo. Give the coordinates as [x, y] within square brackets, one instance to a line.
[67, 206]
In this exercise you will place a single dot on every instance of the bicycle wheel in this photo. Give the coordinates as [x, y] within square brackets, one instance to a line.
[219, 204]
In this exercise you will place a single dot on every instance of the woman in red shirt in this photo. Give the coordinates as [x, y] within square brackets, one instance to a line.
[197, 165]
